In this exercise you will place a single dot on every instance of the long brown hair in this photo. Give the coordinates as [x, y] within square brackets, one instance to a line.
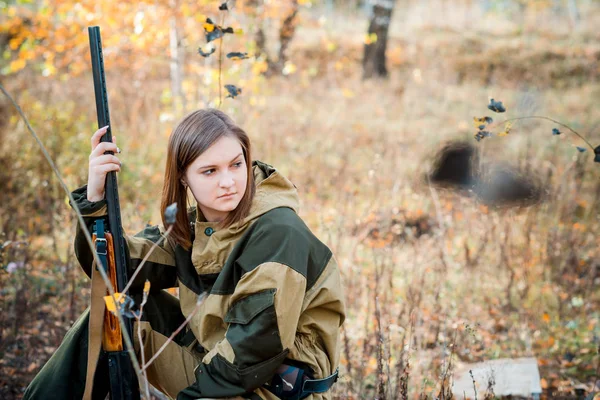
[192, 137]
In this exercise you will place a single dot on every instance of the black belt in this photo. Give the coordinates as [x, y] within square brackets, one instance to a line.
[319, 385]
[301, 385]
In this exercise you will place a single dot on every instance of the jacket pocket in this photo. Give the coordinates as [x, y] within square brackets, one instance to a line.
[253, 331]
[244, 310]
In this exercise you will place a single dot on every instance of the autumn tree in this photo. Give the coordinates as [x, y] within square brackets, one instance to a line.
[289, 18]
[377, 37]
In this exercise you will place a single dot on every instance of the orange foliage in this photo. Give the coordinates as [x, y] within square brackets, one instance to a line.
[54, 37]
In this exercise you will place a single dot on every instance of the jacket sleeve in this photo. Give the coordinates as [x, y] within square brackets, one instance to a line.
[159, 269]
[262, 319]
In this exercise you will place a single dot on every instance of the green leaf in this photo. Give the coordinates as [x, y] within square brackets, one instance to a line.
[235, 55]
[496, 106]
[233, 90]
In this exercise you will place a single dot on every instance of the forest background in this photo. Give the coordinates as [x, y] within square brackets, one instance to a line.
[445, 263]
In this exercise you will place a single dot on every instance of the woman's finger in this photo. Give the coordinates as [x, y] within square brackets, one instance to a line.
[97, 136]
[106, 168]
[102, 148]
[104, 159]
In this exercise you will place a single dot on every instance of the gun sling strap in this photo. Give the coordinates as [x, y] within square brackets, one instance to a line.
[96, 310]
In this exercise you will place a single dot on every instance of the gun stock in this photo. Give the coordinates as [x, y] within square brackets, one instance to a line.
[112, 338]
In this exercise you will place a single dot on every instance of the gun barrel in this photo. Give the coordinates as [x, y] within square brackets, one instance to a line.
[111, 189]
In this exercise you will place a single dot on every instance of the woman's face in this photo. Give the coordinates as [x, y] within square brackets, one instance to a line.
[218, 178]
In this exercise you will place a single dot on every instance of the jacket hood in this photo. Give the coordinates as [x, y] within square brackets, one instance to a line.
[212, 244]
[273, 190]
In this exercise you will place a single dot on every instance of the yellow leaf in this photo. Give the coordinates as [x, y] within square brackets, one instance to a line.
[110, 304]
[147, 287]
[209, 27]
[546, 317]
[49, 69]
[481, 121]
[259, 67]
[27, 54]
[348, 93]
[185, 10]
[14, 43]
[289, 68]
[371, 38]
[17, 65]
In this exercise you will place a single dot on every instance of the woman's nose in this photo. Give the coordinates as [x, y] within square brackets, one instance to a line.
[226, 181]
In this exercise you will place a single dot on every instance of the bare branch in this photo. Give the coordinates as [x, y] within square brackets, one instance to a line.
[138, 317]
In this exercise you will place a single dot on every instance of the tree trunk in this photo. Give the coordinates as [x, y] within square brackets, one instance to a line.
[374, 54]
[176, 62]
[286, 34]
[573, 13]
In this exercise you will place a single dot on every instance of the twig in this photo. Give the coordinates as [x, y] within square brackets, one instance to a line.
[406, 371]
[156, 393]
[474, 385]
[183, 324]
[348, 358]
[556, 122]
[379, 336]
[221, 62]
[86, 233]
[138, 317]
[448, 373]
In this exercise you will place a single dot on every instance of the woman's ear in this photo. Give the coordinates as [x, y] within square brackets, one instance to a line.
[184, 183]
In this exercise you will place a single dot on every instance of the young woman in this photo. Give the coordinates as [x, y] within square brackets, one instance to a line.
[269, 325]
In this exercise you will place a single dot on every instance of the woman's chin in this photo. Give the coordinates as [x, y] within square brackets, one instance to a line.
[228, 207]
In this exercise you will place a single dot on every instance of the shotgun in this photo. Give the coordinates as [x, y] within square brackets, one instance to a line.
[110, 245]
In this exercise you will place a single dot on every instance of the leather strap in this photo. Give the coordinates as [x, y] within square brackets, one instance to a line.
[319, 385]
[292, 383]
[96, 310]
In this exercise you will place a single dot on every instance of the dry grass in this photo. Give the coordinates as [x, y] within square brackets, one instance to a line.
[477, 283]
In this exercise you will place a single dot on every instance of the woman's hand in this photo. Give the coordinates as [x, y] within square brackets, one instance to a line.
[100, 164]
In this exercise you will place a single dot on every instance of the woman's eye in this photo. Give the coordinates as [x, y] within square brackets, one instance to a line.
[208, 172]
[237, 164]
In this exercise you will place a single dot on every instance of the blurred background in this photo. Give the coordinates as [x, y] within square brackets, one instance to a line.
[453, 250]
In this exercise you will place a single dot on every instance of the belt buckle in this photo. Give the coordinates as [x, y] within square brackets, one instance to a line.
[103, 241]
